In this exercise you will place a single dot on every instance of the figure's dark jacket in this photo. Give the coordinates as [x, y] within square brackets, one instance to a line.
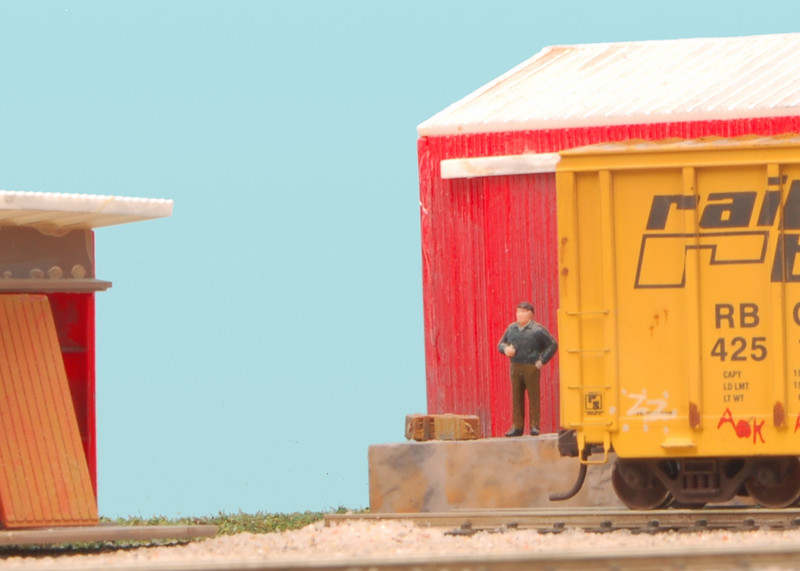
[533, 343]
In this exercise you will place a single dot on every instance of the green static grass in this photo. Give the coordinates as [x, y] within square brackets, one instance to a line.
[259, 522]
[228, 524]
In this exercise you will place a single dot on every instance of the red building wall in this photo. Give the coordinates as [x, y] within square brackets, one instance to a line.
[73, 314]
[491, 242]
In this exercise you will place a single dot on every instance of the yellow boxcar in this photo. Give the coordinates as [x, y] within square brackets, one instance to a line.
[679, 318]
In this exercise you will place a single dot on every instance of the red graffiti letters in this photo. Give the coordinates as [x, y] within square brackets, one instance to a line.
[743, 428]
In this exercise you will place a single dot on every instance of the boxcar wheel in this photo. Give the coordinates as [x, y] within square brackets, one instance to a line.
[775, 483]
[638, 487]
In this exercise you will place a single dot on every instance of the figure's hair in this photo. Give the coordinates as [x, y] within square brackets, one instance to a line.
[525, 305]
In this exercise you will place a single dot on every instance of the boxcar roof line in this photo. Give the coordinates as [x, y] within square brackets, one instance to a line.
[633, 83]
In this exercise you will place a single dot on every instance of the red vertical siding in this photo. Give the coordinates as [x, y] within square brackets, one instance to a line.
[490, 242]
[73, 314]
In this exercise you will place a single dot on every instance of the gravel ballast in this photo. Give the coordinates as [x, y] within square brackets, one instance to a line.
[387, 539]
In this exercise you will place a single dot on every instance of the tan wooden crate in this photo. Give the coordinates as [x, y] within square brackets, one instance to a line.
[422, 427]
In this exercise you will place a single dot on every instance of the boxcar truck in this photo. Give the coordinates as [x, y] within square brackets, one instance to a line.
[679, 318]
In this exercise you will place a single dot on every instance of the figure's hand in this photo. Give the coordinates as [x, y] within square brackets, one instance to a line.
[539, 365]
[510, 351]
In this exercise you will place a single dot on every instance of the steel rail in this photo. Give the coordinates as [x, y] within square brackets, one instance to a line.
[727, 557]
[103, 533]
[596, 519]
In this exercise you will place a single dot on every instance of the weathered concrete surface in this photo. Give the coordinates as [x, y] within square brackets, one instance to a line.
[440, 476]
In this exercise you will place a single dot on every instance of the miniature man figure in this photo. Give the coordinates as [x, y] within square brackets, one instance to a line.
[529, 346]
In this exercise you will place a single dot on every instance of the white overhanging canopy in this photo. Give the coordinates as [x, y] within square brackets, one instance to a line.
[72, 211]
[43, 237]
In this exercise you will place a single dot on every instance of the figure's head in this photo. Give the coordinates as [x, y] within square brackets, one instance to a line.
[524, 313]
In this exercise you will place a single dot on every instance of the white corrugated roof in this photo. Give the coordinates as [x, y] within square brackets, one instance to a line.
[76, 210]
[634, 82]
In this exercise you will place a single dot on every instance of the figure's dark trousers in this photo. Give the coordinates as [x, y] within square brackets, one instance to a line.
[524, 377]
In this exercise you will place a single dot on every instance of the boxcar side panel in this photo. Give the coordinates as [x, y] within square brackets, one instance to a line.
[705, 298]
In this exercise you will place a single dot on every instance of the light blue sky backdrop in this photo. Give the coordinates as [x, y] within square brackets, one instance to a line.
[257, 342]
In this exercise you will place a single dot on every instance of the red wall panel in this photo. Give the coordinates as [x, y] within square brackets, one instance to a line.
[491, 242]
[73, 314]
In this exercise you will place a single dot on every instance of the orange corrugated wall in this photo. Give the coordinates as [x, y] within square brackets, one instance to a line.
[44, 477]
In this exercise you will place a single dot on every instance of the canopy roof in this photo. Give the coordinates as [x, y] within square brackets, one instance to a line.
[67, 211]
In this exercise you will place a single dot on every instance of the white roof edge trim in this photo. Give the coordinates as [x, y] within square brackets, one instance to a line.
[78, 210]
[501, 127]
[530, 163]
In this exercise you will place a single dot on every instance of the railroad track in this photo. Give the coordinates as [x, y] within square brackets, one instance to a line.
[728, 557]
[600, 520]
[601, 555]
